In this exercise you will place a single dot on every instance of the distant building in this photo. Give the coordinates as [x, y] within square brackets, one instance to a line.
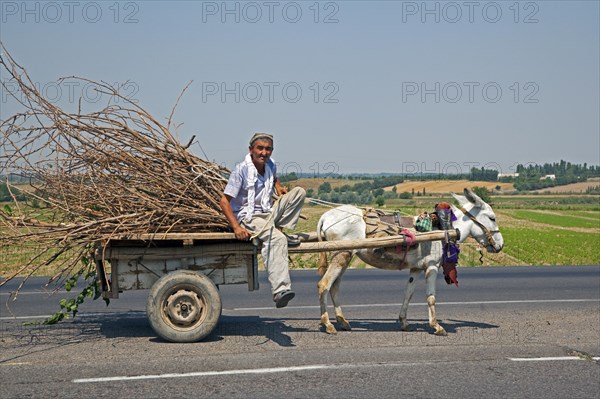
[500, 175]
[551, 177]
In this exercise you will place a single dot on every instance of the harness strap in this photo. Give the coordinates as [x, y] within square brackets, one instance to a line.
[488, 233]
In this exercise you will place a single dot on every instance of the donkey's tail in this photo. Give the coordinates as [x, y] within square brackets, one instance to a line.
[323, 264]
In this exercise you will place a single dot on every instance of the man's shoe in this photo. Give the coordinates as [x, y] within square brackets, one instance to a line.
[282, 298]
[293, 240]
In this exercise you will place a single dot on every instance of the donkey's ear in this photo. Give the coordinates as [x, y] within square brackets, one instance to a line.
[460, 199]
[474, 198]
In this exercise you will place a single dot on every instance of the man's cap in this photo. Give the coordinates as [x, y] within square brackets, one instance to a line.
[260, 136]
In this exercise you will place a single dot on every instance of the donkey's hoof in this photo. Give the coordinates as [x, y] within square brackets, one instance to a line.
[329, 328]
[344, 325]
[404, 326]
[440, 332]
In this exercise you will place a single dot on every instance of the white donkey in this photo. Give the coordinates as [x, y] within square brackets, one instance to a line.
[475, 219]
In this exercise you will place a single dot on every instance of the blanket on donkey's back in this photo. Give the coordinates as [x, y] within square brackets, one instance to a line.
[380, 224]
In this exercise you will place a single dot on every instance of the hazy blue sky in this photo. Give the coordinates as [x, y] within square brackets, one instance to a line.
[345, 86]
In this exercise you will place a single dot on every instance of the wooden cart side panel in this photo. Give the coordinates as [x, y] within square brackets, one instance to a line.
[139, 268]
[141, 274]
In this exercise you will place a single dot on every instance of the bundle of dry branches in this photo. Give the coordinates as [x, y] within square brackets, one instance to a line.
[114, 172]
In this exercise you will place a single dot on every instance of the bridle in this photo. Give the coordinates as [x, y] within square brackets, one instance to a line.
[488, 233]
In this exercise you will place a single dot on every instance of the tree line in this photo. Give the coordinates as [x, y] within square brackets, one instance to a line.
[6, 196]
[536, 177]
[363, 192]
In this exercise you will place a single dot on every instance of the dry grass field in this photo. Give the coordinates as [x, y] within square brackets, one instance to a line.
[447, 186]
[431, 186]
[576, 188]
[315, 183]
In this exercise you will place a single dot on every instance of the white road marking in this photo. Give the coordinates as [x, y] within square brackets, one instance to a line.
[477, 303]
[548, 359]
[79, 315]
[47, 293]
[270, 370]
[25, 317]
[15, 364]
[202, 374]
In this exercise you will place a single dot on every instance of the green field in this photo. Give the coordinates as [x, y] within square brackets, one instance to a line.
[587, 214]
[563, 220]
[552, 247]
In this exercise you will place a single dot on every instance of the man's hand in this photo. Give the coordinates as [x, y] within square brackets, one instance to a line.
[241, 233]
[280, 190]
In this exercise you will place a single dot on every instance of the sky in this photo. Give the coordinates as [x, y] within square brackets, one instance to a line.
[344, 86]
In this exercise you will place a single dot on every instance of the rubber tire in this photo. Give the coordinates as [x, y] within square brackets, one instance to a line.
[188, 284]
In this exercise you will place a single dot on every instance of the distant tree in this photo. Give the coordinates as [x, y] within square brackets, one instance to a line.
[4, 194]
[405, 195]
[378, 192]
[483, 193]
[380, 201]
[335, 197]
[362, 187]
[390, 195]
[288, 177]
[365, 198]
[310, 192]
[325, 188]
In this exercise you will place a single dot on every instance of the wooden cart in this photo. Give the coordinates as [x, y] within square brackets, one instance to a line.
[183, 270]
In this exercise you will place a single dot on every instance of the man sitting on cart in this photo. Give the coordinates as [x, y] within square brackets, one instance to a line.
[247, 203]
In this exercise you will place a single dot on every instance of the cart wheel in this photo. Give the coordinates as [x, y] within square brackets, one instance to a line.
[183, 306]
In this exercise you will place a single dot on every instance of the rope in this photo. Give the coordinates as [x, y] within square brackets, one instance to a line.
[335, 205]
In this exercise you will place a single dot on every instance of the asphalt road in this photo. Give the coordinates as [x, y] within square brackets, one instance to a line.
[513, 332]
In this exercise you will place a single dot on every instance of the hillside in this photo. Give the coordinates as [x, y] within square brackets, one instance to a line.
[576, 188]
[447, 186]
[307, 183]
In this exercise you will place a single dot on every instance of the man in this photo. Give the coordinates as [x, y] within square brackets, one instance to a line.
[247, 204]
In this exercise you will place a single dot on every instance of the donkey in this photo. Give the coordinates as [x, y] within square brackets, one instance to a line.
[475, 219]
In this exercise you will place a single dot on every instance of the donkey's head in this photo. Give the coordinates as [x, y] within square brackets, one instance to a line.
[479, 221]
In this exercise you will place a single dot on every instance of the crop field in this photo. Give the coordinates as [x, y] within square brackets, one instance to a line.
[315, 183]
[551, 246]
[572, 188]
[447, 186]
[563, 219]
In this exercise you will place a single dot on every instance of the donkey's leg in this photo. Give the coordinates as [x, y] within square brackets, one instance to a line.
[430, 280]
[408, 293]
[335, 269]
[344, 260]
